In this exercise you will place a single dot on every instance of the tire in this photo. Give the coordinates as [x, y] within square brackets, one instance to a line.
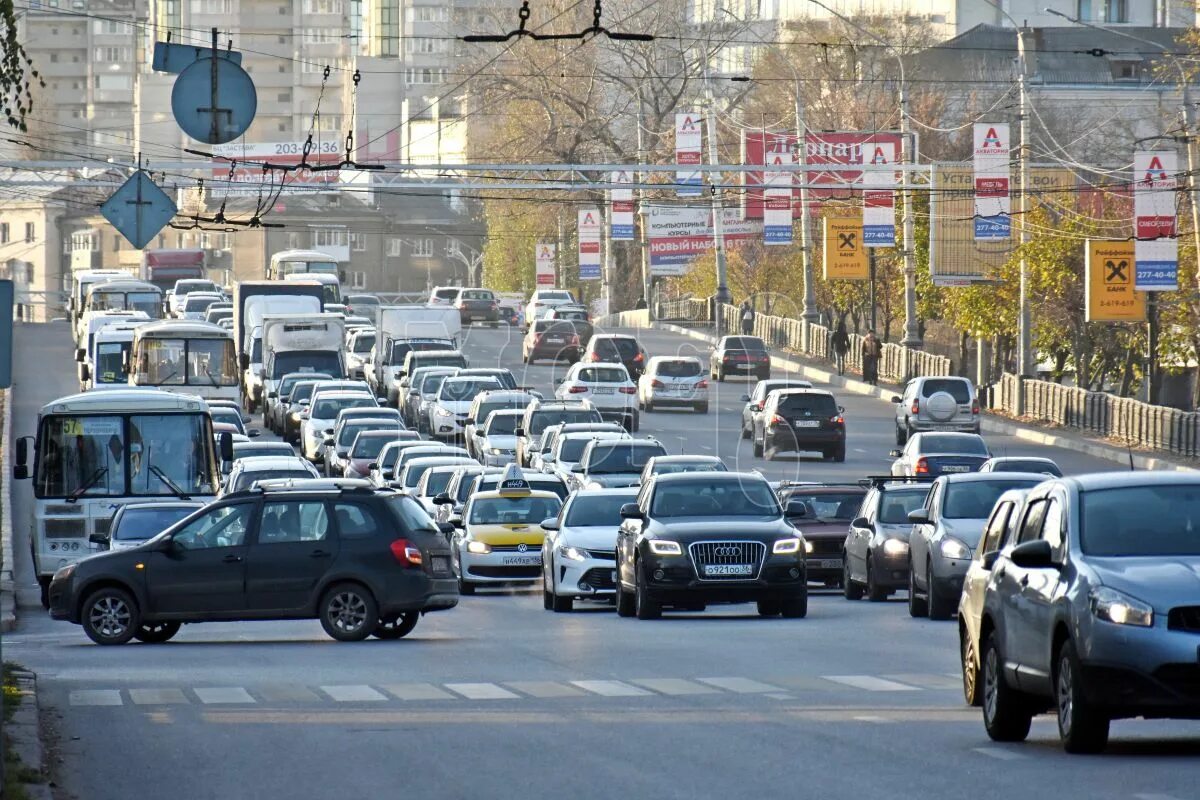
[746, 432]
[969, 663]
[644, 605]
[110, 616]
[757, 448]
[768, 453]
[796, 606]
[702, 408]
[157, 632]
[625, 602]
[1006, 714]
[917, 606]
[770, 607]
[348, 612]
[850, 589]
[901, 436]
[648, 406]
[941, 607]
[720, 375]
[397, 628]
[44, 587]
[562, 604]
[465, 587]
[839, 453]
[1082, 727]
[547, 597]
[875, 593]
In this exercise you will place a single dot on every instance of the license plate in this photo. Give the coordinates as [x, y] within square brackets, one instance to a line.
[712, 570]
[954, 468]
[521, 561]
[829, 563]
[807, 423]
[441, 564]
[602, 390]
[745, 366]
[553, 340]
[479, 316]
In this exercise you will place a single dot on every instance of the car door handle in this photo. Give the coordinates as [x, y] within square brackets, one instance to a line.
[231, 559]
[319, 554]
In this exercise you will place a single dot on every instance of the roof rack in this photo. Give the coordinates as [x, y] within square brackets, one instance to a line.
[878, 480]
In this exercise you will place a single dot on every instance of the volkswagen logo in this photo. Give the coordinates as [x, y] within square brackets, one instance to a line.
[521, 548]
[727, 550]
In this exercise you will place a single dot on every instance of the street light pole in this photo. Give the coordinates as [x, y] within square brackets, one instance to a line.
[1025, 366]
[810, 295]
[722, 294]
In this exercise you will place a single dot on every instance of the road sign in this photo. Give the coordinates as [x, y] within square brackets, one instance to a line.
[1109, 272]
[139, 209]
[214, 100]
[845, 256]
[175, 58]
[6, 333]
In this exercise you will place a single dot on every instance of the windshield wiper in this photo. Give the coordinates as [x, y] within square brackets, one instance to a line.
[208, 374]
[158, 473]
[164, 380]
[89, 483]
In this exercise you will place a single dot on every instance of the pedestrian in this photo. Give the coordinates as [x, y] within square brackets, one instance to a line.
[841, 345]
[640, 304]
[872, 350]
[747, 318]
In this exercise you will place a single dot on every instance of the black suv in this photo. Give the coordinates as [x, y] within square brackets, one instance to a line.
[362, 561]
[739, 355]
[695, 538]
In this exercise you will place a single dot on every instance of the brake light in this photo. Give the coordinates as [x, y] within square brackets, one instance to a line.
[975, 407]
[628, 390]
[657, 384]
[764, 357]
[575, 339]
[702, 385]
[577, 389]
[778, 420]
[638, 357]
[916, 406]
[838, 420]
[407, 553]
[922, 467]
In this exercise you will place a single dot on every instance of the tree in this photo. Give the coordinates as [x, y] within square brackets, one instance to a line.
[16, 70]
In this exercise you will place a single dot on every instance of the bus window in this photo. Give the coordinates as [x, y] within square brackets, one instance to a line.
[110, 362]
[81, 456]
[170, 447]
[161, 362]
[211, 362]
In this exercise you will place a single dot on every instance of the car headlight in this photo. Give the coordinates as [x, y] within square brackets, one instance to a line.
[65, 572]
[573, 553]
[1119, 608]
[441, 412]
[479, 548]
[808, 546]
[294, 416]
[661, 547]
[496, 451]
[895, 547]
[953, 548]
[785, 546]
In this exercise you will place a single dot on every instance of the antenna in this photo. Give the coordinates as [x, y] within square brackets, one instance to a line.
[1129, 449]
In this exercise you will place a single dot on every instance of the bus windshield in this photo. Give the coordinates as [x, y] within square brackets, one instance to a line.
[110, 362]
[186, 362]
[150, 302]
[123, 455]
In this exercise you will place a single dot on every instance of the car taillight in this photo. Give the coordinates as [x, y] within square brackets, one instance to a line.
[764, 357]
[406, 553]
[537, 339]
[922, 467]
[916, 406]
[577, 389]
[657, 384]
[778, 420]
[838, 420]
[702, 385]
[575, 339]
[493, 306]
[638, 357]
[975, 407]
[595, 356]
[628, 390]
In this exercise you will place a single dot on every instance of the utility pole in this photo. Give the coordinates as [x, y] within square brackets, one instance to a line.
[641, 210]
[810, 295]
[722, 293]
[558, 253]
[1025, 366]
[912, 327]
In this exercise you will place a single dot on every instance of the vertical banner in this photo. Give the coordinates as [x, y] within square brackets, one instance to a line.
[620, 217]
[589, 244]
[688, 153]
[777, 207]
[993, 207]
[844, 257]
[879, 201]
[1108, 273]
[544, 263]
[1156, 250]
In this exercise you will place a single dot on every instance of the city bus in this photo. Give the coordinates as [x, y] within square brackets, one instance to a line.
[185, 356]
[96, 451]
[292, 262]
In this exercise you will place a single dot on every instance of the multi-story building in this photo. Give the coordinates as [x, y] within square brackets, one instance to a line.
[31, 250]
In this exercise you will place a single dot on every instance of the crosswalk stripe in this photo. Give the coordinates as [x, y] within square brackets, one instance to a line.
[353, 694]
[544, 689]
[95, 697]
[223, 695]
[153, 697]
[416, 691]
[673, 686]
[611, 688]
[740, 685]
[480, 691]
[870, 683]
[927, 680]
[998, 753]
[286, 693]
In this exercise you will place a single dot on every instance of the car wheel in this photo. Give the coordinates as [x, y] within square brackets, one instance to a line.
[702, 408]
[796, 606]
[839, 453]
[1006, 714]
[397, 627]
[757, 448]
[901, 436]
[970, 670]
[547, 597]
[348, 612]
[625, 602]
[720, 375]
[562, 603]
[645, 606]
[44, 587]
[768, 452]
[746, 432]
[157, 632]
[1082, 727]
[110, 616]
[941, 606]
[648, 405]
[850, 589]
[875, 593]
[770, 607]
[917, 606]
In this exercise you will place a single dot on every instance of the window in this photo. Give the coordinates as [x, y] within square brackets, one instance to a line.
[117, 55]
[357, 280]
[4, 233]
[30, 232]
[427, 14]
[321, 35]
[293, 240]
[116, 244]
[295, 521]
[358, 242]
[329, 122]
[1031, 526]
[993, 536]
[420, 44]
[422, 248]
[424, 75]
[1052, 526]
[322, 7]
[284, 97]
[329, 237]
[318, 67]
[353, 520]
[395, 247]
[105, 26]
[29, 276]
[212, 6]
[222, 527]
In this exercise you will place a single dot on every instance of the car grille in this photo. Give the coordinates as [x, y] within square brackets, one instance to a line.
[599, 578]
[1184, 618]
[826, 547]
[511, 573]
[723, 553]
[516, 548]
[603, 555]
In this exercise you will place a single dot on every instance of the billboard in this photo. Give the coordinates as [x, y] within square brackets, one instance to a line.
[879, 195]
[777, 213]
[678, 234]
[620, 218]
[1109, 276]
[544, 263]
[1156, 248]
[589, 244]
[993, 205]
[688, 153]
[844, 257]
[248, 178]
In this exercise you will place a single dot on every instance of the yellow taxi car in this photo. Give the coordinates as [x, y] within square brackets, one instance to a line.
[498, 538]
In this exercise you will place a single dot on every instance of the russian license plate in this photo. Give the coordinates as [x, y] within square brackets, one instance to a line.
[553, 340]
[807, 423]
[602, 390]
[828, 563]
[521, 561]
[746, 365]
[715, 570]
[478, 316]
[956, 468]
[441, 564]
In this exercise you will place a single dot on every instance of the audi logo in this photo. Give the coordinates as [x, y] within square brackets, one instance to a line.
[728, 550]
[521, 548]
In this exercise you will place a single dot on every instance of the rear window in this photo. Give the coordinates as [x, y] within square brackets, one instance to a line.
[622, 457]
[411, 514]
[959, 390]
[578, 316]
[596, 510]
[679, 369]
[622, 347]
[751, 344]
[477, 294]
[809, 405]
[952, 443]
[544, 419]
[974, 499]
[829, 505]
[895, 505]
[446, 294]
[603, 375]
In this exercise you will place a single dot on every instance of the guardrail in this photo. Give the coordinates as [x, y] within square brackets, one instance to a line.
[1122, 418]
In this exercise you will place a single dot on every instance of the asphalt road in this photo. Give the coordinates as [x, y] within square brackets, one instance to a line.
[499, 698]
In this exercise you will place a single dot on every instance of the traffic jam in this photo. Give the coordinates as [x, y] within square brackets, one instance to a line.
[280, 449]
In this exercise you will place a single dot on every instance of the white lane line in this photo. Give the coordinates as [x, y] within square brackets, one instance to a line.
[858, 449]
[705, 447]
[998, 753]
[94, 697]
[1153, 796]
[223, 695]
[870, 683]
[353, 694]
[740, 685]
[673, 686]
[286, 693]
[416, 691]
[611, 688]
[544, 689]
[873, 719]
[481, 691]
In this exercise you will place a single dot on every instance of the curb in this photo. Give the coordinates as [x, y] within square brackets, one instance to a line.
[24, 733]
[8, 597]
[990, 422]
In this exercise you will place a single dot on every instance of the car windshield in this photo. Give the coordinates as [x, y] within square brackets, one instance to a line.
[672, 467]
[808, 405]
[139, 524]
[620, 347]
[227, 415]
[412, 515]
[622, 457]
[325, 361]
[603, 375]
[964, 443]
[829, 505]
[513, 510]
[543, 419]
[352, 429]
[895, 505]
[289, 383]
[503, 424]
[412, 474]
[749, 344]
[679, 369]
[301, 391]
[460, 390]
[430, 384]
[329, 408]
[974, 499]
[246, 479]
[363, 343]
[502, 376]
[1114, 522]
[368, 445]
[598, 509]
[572, 449]
[1021, 465]
[751, 497]
[957, 389]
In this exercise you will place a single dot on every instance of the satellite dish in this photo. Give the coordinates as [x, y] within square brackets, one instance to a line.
[214, 100]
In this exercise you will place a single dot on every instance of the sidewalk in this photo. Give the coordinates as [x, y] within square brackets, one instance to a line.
[8, 597]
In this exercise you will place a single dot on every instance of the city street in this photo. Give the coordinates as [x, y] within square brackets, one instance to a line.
[499, 697]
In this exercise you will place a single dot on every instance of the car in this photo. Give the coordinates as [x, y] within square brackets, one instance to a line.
[503, 376]
[579, 551]
[577, 315]
[739, 355]
[361, 304]
[447, 414]
[875, 553]
[569, 448]
[418, 390]
[443, 295]
[477, 305]
[249, 556]
[758, 398]
[426, 450]
[800, 420]
[337, 444]
[495, 442]
[999, 532]
[669, 465]
[320, 416]
[382, 470]
[936, 454]
[230, 404]
[543, 299]
[433, 482]
[247, 471]
[482, 408]
[616, 348]
[541, 414]
[612, 464]
[410, 478]
[183, 287]
[490, 479]
[947, 403]
[261, 448]
[1045, 466]
[217, 312]
[696, 538]
[677, 381]
[498, 537]
[556, 340]
[543, 457]
[828, 509]
[232, 416]
[428, 358]
[450, 500]
[358, 348]
[196, 304]
[608, 387]
[291, 415]
[133, 524]
[945, 533]
[387, 368]
[279, 401]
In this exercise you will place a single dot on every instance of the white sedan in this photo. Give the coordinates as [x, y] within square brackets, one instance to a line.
[673, 381]
[607, 386]
[579, 551]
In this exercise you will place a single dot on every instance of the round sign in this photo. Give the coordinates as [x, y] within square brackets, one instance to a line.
[208, 116]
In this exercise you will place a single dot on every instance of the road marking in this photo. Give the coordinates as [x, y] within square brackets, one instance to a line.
[870, 683]
[152, 697]
[673, 686]
[480, 691]
[611, 688]
[740, 685]
[287, 693]
[95, 697]
[416, 691]
[858, 450]
[1153, 796]
[544, 689]
[998, 753]
[874, 719]
[223, 695]
[928, 680]
[353, 694]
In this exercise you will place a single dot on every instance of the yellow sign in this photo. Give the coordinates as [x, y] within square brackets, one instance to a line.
[1109, 274]
[845, 258]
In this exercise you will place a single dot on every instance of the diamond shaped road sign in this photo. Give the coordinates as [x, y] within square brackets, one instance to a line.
[139, 209]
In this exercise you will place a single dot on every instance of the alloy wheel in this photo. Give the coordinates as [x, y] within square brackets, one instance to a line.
[347, 611]
[110, 616]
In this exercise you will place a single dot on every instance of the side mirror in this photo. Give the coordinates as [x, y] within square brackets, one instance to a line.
[989, 559]
[80, 354]
[895, 453]
[253, 433]
[373, 466]
[99, 538]
[631, 511]
[456, 521]
[329, 431]
[328, 443]
[442, 499]
[861, 522]
[519, 432]
[550, 524]
[796, 509]
[469, 421]
[841, 409]
[446, 528]
[245, 360]
[1033, 555]
[272, 395]
[304, 401]
[896, 399]
[226, 446]
[745, 398]
[918, 517]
